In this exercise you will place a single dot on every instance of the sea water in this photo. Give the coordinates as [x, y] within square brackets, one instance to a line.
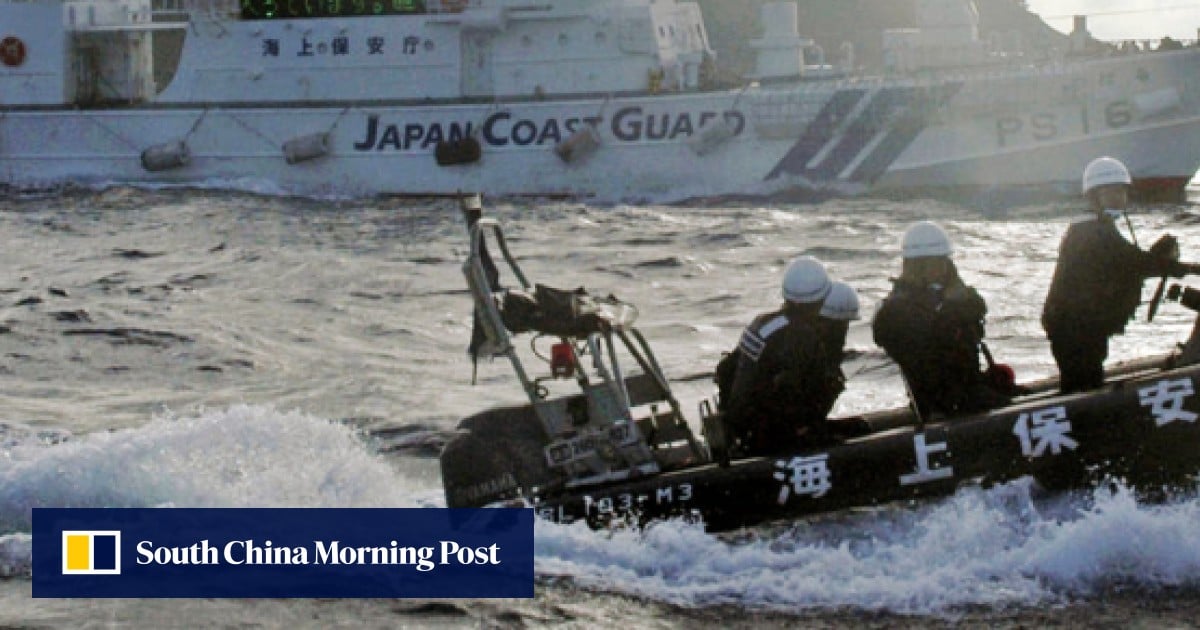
[195, 348]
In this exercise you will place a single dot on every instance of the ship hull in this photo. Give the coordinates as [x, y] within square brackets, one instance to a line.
[1014, 128]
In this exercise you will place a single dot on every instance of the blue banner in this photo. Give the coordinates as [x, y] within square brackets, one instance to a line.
[293, 552]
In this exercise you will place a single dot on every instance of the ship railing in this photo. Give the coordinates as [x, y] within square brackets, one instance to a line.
[1066, 68]
[785, 111]
[1165, 44]
[1047, 58]
[451, 6]
[179, 10]
[97, 17]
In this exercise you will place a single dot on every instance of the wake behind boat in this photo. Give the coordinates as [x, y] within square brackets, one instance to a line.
[608, 99]
[615, 446]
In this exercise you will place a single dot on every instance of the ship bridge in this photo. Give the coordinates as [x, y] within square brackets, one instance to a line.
[111, 52]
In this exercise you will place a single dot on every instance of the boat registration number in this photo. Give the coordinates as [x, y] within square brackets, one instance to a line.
[585, 445]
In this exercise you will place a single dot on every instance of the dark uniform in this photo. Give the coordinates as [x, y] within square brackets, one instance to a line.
[783, 387]
[1096, 288]
[935, 341]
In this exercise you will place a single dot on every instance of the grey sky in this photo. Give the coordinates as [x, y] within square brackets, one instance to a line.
[1124, 19]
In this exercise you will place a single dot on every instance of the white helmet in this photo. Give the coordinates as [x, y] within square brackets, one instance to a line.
[1103, 171]
[925, 238]
[841, 303]
[805, 281]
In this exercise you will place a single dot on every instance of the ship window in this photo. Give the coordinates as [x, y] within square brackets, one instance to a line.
[662, 32]
[269, 9]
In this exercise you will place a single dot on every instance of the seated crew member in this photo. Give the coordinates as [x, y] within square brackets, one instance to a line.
[782, 387]
[1098, 280]
[833, 322]
[837, 311]
[931, 325]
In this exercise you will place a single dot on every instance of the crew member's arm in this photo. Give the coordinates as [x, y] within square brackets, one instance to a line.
[908, 341]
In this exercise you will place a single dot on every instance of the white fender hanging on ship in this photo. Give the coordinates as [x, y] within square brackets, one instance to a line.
[578, 145]
[166, 156]
[715, 134]
[306, 147]
[1157, 103]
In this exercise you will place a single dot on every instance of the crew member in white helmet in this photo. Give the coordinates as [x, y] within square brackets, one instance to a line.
[837, 311]
[782, 386]
[840, 308]
[1098, 280]
[931, 325]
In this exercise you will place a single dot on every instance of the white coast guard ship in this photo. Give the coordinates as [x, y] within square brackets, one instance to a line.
[608, 99]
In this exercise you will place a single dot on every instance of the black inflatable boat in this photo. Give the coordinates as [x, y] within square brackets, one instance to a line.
[618, 448]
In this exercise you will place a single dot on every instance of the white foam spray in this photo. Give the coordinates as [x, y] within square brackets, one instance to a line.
[244, 456]
[994, 548]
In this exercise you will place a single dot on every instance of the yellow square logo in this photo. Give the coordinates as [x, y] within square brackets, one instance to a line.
[91, 552]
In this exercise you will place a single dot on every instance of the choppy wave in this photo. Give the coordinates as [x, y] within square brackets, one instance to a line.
[356, 310]
[243, 456]
[997, 548]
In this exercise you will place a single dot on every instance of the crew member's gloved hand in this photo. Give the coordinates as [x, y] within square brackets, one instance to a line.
[956, 292]
[1165, 249]
[1166, 253]
[962, 306]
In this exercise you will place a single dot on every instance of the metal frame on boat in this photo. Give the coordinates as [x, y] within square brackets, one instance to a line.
[619, 427]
